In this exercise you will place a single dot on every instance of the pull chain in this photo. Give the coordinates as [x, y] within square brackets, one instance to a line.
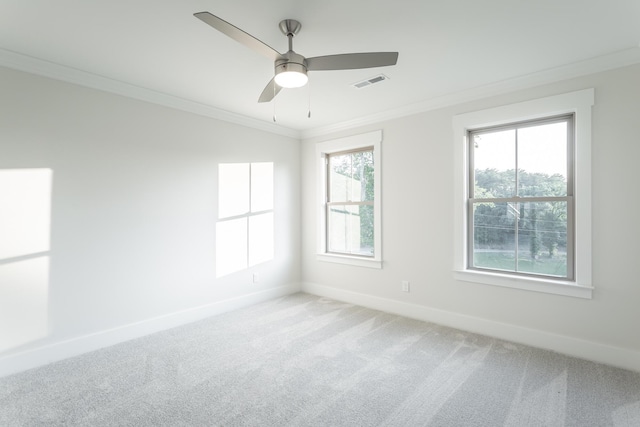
[274, 103]
[308, 103]
[309, 99]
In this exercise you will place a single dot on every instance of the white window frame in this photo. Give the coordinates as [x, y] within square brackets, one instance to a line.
[579, 103]
[362, 141]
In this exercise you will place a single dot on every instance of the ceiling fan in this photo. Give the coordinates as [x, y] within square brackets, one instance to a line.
[290, 67]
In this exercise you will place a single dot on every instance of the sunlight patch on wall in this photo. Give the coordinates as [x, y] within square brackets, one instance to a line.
[244, 231]
[260, 239]
[25, 211]
[233, 189]
[231, 246]
[25, 222]
[24, 299]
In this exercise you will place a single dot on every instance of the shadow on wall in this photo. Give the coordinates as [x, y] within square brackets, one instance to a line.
[25, 229]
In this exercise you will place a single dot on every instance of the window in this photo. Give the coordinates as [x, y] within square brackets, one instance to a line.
[244, 232]
[349, 226]
[520, 206]
[523, 185]
[349, 204]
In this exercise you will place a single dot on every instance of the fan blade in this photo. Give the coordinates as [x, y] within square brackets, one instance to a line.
[270, 91]
[352, 61]
[238, 35]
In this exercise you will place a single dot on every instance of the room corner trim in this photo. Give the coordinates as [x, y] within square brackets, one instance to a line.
[575, 347]
[50, 353]
[55, 71]
[599, 64]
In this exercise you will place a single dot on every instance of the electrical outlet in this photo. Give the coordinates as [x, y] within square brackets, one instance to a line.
[405, 286]
[256, 278]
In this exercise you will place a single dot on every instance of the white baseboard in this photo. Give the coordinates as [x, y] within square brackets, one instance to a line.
[54, 352]
[589, 350]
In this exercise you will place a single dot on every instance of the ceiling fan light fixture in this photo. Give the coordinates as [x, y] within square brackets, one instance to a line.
[291, 79]
[291, 75]
[291, 67]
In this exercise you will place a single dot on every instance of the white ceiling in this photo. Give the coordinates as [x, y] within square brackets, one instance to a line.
[447, 48]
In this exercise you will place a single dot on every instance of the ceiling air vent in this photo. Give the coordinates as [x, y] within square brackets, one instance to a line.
[370, 81]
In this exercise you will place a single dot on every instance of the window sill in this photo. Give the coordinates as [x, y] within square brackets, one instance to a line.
[350, 260]
[556, 287]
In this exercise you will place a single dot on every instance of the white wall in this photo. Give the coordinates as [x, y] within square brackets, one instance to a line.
[417, 198]
[133, 211]
[133, 208]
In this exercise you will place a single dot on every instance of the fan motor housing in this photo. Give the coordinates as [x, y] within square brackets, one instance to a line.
[291, 61]
[290, 66]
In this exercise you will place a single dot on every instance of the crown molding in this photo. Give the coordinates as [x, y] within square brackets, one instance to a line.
[52, 70]
[598, 64]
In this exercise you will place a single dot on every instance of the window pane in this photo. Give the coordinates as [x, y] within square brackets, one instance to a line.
[494, 236]
[542, 238]
[351, 229]
[260, 238]
[351, 177]
[542, 160]
[231, 246]
[494, 162]
[340, 181]
[233, 189]
[261, 187]
[362, 190]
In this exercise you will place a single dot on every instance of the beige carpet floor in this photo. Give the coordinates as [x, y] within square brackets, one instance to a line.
[303, 360]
